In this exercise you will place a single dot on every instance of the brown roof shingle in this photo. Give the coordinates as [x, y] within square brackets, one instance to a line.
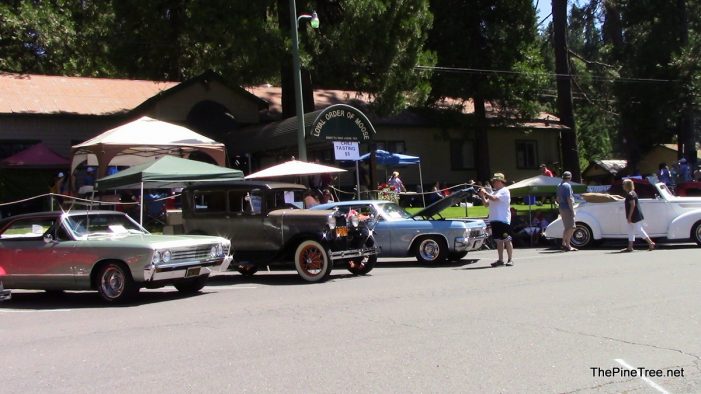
[47, 94]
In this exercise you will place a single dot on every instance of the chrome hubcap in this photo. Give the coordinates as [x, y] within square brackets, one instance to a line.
[112, 283]
[429, 249]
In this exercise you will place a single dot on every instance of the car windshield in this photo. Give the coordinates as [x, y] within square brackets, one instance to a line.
[393, 211]
[103, 224]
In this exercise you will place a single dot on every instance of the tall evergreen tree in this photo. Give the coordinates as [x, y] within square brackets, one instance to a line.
[487, 50]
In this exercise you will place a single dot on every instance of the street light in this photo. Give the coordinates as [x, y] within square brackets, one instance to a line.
[299, 105]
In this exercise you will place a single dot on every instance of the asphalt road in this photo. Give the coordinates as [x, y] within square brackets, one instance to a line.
[556, 322]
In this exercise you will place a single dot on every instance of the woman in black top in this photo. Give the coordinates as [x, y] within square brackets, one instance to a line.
[634, 216]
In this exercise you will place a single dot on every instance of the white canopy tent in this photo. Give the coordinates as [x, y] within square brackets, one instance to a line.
[143, 140]
[293, 167]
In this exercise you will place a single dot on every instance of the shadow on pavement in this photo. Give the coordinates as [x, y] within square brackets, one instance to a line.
[47, 301]
[274, 278]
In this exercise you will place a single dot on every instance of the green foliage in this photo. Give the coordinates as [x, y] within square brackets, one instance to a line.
[176, 39]
[373, 46]
[54, 37]
[470, 37]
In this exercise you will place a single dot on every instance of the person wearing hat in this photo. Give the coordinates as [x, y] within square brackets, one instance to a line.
[396, 183]
[545, 170]
[565, 200]
[684, 171]
[499, 217]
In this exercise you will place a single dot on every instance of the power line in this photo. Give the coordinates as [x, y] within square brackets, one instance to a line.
[467, 70]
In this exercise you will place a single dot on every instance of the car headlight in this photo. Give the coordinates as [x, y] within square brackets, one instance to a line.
[354, 220]
[331, 222]
[216, 251]
[166, 255]
[156, 257]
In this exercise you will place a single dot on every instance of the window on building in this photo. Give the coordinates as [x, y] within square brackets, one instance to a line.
[462, 154]
[10, 147]
[526, 154]
[391, 146]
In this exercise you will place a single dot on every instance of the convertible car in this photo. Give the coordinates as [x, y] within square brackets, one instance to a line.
[105, 251]
[666, 216]
[425, 234]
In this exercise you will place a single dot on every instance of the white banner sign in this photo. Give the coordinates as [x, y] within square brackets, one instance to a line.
[346, 150]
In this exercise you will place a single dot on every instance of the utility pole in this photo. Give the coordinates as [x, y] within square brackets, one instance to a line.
[570, 153]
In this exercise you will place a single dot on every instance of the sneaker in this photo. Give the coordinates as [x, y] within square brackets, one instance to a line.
[497, 263]
[510, 263]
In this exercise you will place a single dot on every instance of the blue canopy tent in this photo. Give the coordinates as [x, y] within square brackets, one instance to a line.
[397, 159]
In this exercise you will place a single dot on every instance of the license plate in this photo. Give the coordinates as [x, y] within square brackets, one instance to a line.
[341, 231]
[192, 271]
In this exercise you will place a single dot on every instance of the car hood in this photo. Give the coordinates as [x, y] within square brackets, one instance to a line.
[444, 203]
[157, 241]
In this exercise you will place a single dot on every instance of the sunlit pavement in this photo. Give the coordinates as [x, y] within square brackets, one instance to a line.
[555, 322]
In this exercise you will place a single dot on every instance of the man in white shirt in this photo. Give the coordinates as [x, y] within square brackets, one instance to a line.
[499, 217]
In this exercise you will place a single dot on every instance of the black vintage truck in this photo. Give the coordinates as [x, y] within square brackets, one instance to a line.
[268, 226]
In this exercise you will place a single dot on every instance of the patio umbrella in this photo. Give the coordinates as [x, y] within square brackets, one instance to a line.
[293, 167]
[541, 185]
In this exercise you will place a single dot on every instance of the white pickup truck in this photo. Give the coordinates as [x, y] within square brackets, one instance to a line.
[666, 216]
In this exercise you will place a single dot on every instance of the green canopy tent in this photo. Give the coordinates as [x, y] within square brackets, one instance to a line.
[166, 172]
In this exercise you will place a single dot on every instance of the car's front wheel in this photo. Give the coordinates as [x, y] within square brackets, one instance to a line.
[696, 233]
[431, 249]
[582, 236]
[363, 265]
[190, 286]
[115, 284]
[312, 261]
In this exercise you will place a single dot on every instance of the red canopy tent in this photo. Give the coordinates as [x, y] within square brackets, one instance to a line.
[36, 156]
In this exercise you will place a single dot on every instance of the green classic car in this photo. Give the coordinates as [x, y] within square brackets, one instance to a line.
[105, 251]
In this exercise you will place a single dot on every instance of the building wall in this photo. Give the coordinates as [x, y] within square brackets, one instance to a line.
[503, 151]
[659, 154]
[433, 146]
[176, 107]
[57, 132]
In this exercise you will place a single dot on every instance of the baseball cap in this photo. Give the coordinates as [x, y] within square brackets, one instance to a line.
[566, 175]
[498, 176]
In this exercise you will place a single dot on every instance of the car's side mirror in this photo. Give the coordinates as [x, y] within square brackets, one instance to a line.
[48, 238]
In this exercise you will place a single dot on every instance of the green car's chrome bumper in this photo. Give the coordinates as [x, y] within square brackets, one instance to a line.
[153, 273]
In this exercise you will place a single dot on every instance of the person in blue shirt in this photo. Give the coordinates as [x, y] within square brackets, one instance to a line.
[565, 200]
[664, 175]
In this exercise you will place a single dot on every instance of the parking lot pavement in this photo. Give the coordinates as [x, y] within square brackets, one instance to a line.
[555, 322]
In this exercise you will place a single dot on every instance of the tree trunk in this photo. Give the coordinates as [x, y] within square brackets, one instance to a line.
[570, 154]
[685, 139]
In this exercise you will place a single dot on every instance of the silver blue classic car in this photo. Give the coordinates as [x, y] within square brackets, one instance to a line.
[425, 234]
[105, 251]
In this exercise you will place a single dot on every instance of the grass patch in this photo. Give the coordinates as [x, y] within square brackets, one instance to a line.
[482, 211]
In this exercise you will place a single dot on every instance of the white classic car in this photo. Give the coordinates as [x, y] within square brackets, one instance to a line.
[666, 216]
